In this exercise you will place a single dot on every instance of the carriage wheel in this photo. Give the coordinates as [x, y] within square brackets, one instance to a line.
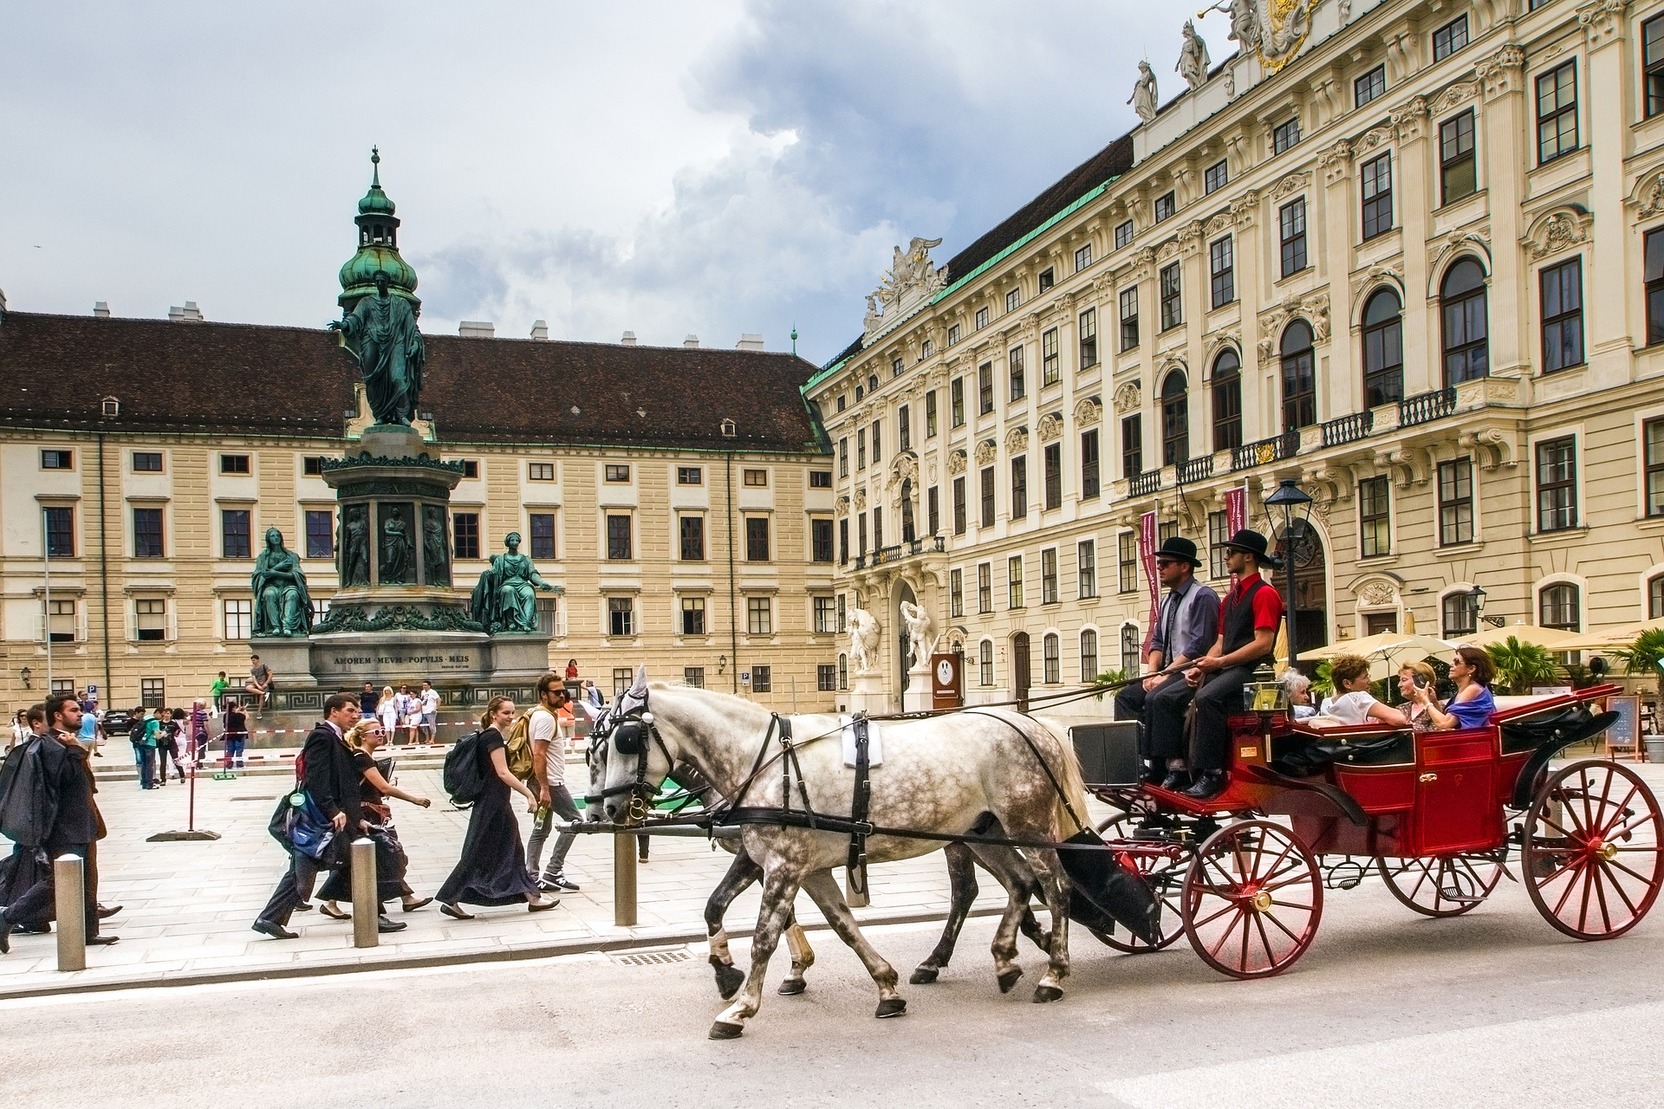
[1441, 887]
[1593, 850]
[1162, 874]
[1252, 900]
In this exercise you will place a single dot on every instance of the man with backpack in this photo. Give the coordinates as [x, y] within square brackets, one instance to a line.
[549, 780]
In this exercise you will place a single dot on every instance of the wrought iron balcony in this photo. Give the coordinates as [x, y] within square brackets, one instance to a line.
[1426, 407]
[1266, 451]
[936, 544]
[1195, 469]
[1348, 429]
[1142, 485]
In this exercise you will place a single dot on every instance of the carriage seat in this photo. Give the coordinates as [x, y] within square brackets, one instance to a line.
[1313, 746]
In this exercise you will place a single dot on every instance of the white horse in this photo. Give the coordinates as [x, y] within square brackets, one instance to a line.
[943, 775]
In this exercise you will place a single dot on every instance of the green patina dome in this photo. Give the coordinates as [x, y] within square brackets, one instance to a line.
[378, 248]
[358, 276]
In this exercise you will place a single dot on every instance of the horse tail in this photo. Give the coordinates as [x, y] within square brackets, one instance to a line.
[1070, 810]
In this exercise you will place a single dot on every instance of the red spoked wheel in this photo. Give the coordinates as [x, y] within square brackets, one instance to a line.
[1593, 850]
[1163, 875]
[1441, 887]
[1252, 900]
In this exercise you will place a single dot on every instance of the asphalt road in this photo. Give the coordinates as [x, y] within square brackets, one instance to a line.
[1493, 1009]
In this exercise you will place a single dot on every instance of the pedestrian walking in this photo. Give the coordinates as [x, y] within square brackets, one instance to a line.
[492, 870]
[430, 712]
[138, 734]
[235, 735]
[365, 739]
[173, 731]
[155, 739]
[553, 798]
[91, 734]
[20, 729]
[199, 732]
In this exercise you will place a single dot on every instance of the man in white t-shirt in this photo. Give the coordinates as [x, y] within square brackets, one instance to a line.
[553, 799]
[430, 712]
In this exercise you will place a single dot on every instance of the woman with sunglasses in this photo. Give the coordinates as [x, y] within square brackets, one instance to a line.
[1473, 704]
[366, 739]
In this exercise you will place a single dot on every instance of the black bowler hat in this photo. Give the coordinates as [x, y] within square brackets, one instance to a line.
[1177, 546]
[1254, 543]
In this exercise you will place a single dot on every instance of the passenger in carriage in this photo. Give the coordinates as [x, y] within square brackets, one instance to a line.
[1473, 704]
[1353, 703]
[1410, 676]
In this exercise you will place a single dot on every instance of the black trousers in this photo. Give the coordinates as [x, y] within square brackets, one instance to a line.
[1165, 709]
[294, 887]
[38, 903]
[1218, 697]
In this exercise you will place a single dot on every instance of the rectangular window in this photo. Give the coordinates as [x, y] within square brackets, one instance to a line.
[691, 529]
[1047, 279]
[956, 593]
[843, 540]
[1285, 135]
[1129, 317]
[1652, 62]
[621, 616]
[984, 587]
[756, 539]
[1132, 445]
[1652, 438]
[1557, 113]
[540, 526]
[985, 662]
[693, 616]
[762, 679]
[1370, 86]
[695, 475]
[540, 471]
[826, 615]
[820, 479]
[153, 692]
[470, 468]
[896, 366]
[1019, 382]
[759, 615]
[616, 472]
[1052, 458]
[1376, 176]
[1450, 38]
[959, 509]
[1088, 656]
[61, 627]
[987, 491]
[1014, 582]
[1374, 537]
[1165, 207]
[238, 614]
[312, 465]
[1458, 165]
[843, 456]
[1557, 484]
[1218, 536]
[1019, 487]
[1089, 486]
[151, 623]
[933, 510]
[826, 677]
[1562, 298]
[618, 537]
[1221, 272]
[756, 479]
[1456, 502]
[953, 334]
[981, 318]
[877, 441]
[985, 388]
[693, 677]
[1215, 177]
[1653, 249]
[861, 532]
[147, 533]
[60, 532]
[820, 540]
[1291, 229]
[57, 460]
[465, 534]
[1123, 234]
[1048, 576]
[877, 528]
[861, 448]
[320, 533]
[1049, 373]
[1086, 564]
[622, 677]
[956, 402]
[930, 414]
[1172, 307]
[234, 464]
[1013, 299]
[1083, 257]
[904, 429]
[234, 540]
[1126, 562]
[1088, 331]
[147, 462]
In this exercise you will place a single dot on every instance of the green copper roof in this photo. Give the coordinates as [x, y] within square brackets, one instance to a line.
[375, 200]
[378, 247]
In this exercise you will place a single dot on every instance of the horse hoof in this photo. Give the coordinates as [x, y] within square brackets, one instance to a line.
[1009, 979]
[924, 976]
[1043, 994]
[791, 987]
[722, 1030]
[728, 981]
[891, 1007]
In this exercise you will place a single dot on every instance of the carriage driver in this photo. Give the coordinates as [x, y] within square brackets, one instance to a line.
[1248, 623]
[1186, 626]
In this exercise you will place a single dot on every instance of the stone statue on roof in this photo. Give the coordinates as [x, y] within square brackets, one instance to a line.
[381, 333]
[1143, 99]
[1193, 57]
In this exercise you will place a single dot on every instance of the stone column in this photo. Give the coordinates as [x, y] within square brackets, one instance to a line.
[1607, 105]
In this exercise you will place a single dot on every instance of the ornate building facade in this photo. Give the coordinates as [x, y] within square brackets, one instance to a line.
[1408, 254]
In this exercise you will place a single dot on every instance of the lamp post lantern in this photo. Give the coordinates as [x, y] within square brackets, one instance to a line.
[1290, 506]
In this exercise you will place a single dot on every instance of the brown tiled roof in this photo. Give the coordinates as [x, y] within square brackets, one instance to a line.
[55, 370]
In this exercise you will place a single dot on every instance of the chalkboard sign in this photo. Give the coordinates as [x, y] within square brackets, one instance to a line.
[1625, 730]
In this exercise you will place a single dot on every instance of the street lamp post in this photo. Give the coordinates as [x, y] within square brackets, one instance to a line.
[1292, 507]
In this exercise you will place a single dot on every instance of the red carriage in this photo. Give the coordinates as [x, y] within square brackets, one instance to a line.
[1437, 814]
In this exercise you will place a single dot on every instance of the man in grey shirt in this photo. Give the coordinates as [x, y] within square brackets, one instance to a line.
[553, 799]
[1188, 625]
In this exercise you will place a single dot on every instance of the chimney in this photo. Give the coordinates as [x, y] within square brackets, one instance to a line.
[101, 309]
[749, 341]
[540, 330]
[188, 314]
[477, 329]
[629, 339]
[691, 342]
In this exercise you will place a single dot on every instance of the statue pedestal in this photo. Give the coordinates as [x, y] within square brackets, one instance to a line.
[866, 694]
[917, 698]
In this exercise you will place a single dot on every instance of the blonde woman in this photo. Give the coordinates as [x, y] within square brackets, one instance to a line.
[365, 739]
[387, 711]
[1413, 676]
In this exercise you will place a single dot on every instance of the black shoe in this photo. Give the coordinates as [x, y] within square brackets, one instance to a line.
[557, 881]
[5, 934]
[417, 904]
[1209, 784]
[105, 912]
[33, 929]
[1176, 781]
[454, 912]
[275, 931]
[102, 941]
[383, 924]
[1153, 775]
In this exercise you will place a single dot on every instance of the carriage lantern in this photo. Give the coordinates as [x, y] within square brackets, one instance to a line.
[1291, 506]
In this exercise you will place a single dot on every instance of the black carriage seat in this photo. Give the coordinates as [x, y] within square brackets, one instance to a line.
[1308, 751]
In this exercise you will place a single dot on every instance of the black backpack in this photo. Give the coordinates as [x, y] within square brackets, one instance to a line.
[462, 779]
[28, 798]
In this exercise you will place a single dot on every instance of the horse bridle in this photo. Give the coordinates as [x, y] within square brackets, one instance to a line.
[632, 733]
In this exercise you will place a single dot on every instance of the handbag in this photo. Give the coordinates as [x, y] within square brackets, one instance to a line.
[310, 832]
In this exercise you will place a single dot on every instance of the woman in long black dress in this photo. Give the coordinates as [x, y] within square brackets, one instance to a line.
[391, 862]
[492, 870]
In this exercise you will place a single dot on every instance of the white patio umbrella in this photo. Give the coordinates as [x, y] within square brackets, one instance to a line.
[1555, 639]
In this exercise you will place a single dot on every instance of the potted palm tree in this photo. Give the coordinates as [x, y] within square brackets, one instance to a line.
[1646, 656]
[1520, 665]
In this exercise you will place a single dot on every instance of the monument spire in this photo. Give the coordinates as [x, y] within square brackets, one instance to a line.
[378, 248]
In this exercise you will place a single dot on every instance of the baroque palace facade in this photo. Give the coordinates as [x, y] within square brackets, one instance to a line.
[1409, 254]
[679, 497]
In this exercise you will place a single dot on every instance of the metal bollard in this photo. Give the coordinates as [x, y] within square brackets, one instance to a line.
[624, 880]
[366, 906]
[69, 876]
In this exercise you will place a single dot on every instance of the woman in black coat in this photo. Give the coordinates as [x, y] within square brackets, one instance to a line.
[365, 739]
[492, 870]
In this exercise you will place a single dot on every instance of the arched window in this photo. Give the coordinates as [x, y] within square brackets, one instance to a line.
[1461, 614]
[1175, 420]
[872, 383]
[1051, 658]
[985, 662]
[1466, 335]
[1655, 597]
[1559, 606]
[1132, 659]
[1383, 349]
[1299, 377]
[1089, 654]
[1227, 401]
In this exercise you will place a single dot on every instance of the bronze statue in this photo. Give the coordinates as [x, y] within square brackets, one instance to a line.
[505, 599]
[436, 560]
[355, 546]
[282, 606]
[381, 333]
[398, 561]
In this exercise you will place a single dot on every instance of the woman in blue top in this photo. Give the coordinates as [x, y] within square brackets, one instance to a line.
[1473, 704]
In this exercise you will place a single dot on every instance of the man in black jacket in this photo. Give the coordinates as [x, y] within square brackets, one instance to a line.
[328, 776]
[75, 825]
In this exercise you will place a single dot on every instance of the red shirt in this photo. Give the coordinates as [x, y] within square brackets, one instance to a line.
[1268, 604]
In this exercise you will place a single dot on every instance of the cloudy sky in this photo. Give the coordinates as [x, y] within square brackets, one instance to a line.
[664, 166]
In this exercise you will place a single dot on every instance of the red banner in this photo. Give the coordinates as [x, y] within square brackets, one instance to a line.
[1236, 509]
[1147, 555]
